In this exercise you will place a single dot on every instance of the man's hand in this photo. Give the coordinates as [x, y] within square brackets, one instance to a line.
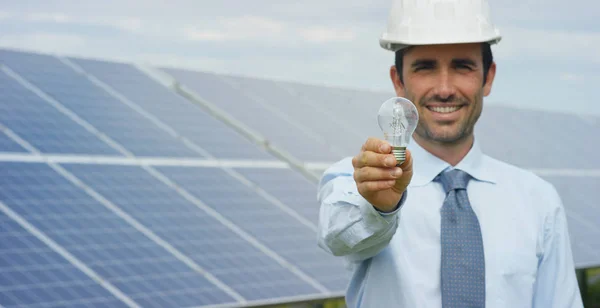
[377, 178]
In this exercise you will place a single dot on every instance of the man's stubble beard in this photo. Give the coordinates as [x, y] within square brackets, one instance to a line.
[464, 130]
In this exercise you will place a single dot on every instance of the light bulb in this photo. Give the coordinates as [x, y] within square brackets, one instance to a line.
[398, 119]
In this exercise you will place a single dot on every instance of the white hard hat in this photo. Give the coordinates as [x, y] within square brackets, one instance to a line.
[426, 22]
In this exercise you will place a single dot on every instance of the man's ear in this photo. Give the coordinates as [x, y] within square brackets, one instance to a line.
[487, 87]
[398, 85]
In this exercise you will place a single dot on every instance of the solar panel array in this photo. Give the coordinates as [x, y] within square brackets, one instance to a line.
[90, 222]
[118, 191]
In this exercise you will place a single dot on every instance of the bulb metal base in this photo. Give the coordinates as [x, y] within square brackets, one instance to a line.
[400, 154]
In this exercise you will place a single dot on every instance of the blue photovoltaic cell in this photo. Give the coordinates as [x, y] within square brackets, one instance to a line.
[357, 108]
[96, 106]
[8, 145]
[183, 116]
[300, 195]
[581, 199]
[122, 255]
[209, 243]
[538, 139]
[340, 134]
[300, 142]
[42, 125]
[33, 275]
[276, 229]
[289, 187]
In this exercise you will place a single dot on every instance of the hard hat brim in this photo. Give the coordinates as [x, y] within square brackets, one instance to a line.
[395, 45]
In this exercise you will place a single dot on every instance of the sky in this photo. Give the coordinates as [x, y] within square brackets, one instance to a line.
[548, 58]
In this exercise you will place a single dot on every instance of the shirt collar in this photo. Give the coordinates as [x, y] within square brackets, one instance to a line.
[426, 166]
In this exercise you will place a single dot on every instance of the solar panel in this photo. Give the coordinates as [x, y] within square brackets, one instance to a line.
[585, 252]
[8, 145]
[281, 232]
[122, 255]
[299, 141]
[308, 114]
[289, 187]
[537, 139]
[299, 195]
[115, 119]
[42, 125]
[233, 260]
[33, 275]
[355, 107]
[187, 119]
[582, 201]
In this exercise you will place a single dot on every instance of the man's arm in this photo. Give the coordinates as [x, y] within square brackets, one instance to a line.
[557, 284]
[349, 225]
[360, 203]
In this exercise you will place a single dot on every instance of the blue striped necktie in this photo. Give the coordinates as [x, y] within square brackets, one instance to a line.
[463, 264]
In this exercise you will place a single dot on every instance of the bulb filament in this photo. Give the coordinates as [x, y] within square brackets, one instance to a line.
[397, 124]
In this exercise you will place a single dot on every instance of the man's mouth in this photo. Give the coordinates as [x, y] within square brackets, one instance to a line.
[444, 109]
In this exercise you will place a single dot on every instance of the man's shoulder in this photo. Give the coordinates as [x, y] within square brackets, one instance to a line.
[341, 168]
[509, 169]
[525, 180]
[344, 165]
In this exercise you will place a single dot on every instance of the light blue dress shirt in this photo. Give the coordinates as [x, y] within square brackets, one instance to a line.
[394, 258]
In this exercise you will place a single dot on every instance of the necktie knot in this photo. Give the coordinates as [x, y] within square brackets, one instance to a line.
[454, 179]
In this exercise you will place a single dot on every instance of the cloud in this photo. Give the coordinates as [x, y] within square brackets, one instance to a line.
[260, 29]
[130, 24]
[554, 45]
[551, 13]
[215, 28]
[237, 29]
[325, 34]
[254, 23]
[174, 60]
[193, 34]
[45, 42]
[4, 15]
[572, 77]
[47, 17]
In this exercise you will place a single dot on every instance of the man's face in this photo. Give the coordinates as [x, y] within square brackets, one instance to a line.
[445, 82]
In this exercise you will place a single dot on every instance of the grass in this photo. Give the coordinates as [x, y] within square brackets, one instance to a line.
[592, 299]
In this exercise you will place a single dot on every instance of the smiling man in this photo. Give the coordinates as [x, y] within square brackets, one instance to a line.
[451, 226]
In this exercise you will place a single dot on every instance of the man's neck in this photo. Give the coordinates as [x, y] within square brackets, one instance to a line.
[450, 153]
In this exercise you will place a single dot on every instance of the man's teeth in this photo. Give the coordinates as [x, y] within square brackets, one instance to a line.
[444, 109]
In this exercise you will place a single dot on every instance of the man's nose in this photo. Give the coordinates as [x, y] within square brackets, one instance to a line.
[444, 88]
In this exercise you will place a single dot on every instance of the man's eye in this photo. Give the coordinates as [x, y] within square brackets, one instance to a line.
[464, 67]
[420, 68]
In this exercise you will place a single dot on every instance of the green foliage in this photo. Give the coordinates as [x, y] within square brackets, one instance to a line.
[592, 294]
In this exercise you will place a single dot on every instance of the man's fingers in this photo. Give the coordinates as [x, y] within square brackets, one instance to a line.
[366, 174]
[372, 186]
[407, 164]
[373, 159]
[377, 145]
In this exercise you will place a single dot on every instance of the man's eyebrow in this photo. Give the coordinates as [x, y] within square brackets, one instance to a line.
[423, 62]
[464, 61]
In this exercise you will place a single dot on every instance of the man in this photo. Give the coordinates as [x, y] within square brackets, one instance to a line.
[451, 226]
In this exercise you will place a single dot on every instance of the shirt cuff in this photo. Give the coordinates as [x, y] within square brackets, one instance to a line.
[398, 206]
